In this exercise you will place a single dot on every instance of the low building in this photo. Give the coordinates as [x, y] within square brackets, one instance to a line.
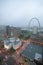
[12, 42]
[35, 30]
[11, 61]
[16, 44]
[41, 34]
[7, 44]
[33, 51]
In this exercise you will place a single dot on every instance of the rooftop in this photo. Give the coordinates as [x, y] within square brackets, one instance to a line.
[11, 61]
[37, 37]
[16, 42]
[7, 42]
[31, 50]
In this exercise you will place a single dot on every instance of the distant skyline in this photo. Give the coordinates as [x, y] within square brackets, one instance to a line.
[19, 12]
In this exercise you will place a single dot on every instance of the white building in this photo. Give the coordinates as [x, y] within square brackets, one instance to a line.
[7, 44]
[12, 39]
[12, 42]
[35, 30]
[16, 44]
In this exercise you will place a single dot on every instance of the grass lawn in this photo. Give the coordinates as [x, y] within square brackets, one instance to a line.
[11, 50]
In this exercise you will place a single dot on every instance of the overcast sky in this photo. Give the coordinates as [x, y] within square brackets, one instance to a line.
[19, 12]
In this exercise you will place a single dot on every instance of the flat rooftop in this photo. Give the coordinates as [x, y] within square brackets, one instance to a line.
[31, 50]
[37, 37]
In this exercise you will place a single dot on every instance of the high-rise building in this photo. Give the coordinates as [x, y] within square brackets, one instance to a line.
[8, 30]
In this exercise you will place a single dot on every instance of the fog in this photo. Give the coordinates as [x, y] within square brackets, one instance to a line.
[19, 12]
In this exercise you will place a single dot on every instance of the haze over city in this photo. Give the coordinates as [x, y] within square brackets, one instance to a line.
[21, 32]
[19, 12]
